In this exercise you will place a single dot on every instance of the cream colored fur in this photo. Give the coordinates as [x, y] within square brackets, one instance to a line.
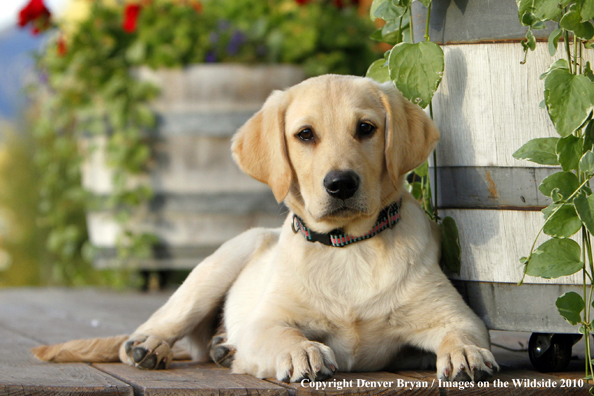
[295, 309]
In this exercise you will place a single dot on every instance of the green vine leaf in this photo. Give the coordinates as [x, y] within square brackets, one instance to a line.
[558, 64]
[549, 210]
[554, 41]
[556, 195]
[570, 306]
[569, 99]
[386, 10]
[540, 150]
[587, 11]
[585, 209]
[555, 258]
[566, 182]
[563, 223]
[426, 3]
[587, 163]
[450, 245]
[541, 10]
[573, 21]
[394, 31]
[569, 151]
[588, 71]
[417, 69]
[378, 70]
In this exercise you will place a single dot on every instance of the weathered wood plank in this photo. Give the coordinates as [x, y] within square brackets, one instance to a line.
[58, 315]
[487, 104]
[492, 187]
[493, 241]
[22, 374]
[190, 379]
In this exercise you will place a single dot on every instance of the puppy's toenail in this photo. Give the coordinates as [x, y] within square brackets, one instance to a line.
[138, 354]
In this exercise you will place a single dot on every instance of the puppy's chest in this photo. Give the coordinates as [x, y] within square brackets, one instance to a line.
[350, 276]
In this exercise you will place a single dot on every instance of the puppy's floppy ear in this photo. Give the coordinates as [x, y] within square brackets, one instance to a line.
[410, 134]
[260, 150]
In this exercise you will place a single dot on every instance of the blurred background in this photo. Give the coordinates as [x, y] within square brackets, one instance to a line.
[115, 126]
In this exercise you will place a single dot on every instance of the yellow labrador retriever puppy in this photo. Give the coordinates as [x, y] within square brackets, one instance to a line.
[350, 282]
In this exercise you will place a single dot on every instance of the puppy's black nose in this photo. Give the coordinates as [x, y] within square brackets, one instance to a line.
[341, 184]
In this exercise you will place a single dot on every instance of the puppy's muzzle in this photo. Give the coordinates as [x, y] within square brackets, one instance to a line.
[341, 184]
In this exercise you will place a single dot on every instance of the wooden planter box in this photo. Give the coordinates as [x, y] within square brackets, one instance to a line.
[201, 198]
[486, 108]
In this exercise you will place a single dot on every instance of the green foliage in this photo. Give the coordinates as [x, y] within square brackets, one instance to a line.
[584, 206]
[417, 69]
[540, 150]
[555, 258]
[87, 86]
[565, 182]
[569, 99]
[570, 306]
[563, 223]
[451, 254]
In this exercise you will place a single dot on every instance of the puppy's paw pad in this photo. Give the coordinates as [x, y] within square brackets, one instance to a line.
[147, 352]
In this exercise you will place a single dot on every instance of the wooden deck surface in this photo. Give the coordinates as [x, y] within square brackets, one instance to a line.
[29, 317]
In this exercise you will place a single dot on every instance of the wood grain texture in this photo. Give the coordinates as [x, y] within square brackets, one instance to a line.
[190, 379]
[487, 105]
[59, 315]
[493, 241]
[22, 374]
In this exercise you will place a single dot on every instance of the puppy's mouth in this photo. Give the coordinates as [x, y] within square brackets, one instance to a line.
[343, 210]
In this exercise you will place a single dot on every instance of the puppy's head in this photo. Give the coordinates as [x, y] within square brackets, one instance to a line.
[335, 148]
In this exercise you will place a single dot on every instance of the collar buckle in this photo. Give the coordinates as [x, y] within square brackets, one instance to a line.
[295, 224]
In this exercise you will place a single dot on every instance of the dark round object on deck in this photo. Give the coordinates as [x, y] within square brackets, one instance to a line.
[550, 352]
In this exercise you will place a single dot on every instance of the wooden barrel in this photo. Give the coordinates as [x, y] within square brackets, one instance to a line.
[486, 108]
[201, 198]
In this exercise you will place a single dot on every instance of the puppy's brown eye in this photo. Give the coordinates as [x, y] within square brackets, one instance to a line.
[365, 129]
[306, 135]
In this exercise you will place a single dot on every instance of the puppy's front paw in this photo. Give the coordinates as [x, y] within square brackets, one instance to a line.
[146, 352]
[307, 360]
[467, 363]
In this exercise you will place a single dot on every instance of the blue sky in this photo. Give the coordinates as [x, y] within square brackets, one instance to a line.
[16, 46]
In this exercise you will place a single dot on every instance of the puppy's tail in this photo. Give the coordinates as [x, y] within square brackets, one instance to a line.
[94, 350]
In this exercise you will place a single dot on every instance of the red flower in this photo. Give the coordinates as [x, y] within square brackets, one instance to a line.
[302, 2]
[131, 13]
[61, 46]
[37, 13]
[197, 6]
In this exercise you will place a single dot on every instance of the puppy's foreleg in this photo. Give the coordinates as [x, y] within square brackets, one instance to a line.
[272, 348]
[461, 342]
[192, 308]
